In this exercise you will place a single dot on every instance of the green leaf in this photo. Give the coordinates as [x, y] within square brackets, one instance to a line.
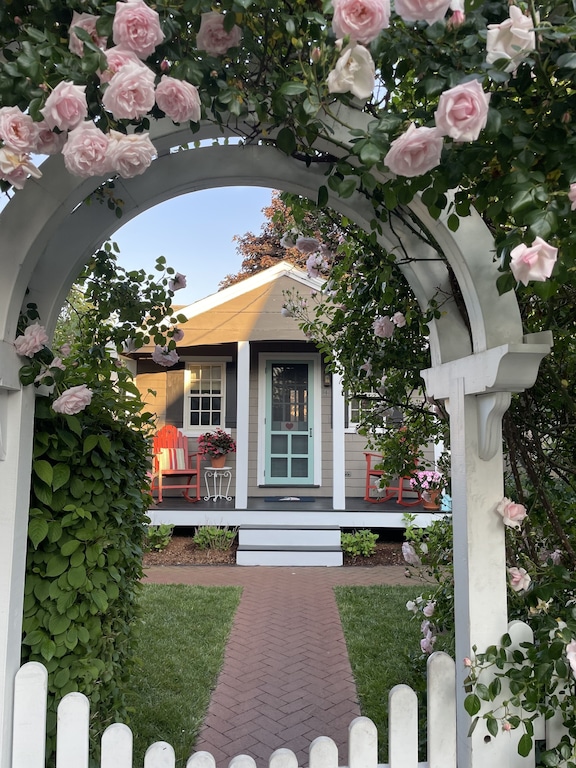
[43, 469]
[90, 443]
[47, 648]
[37, 530]
[74, 424]
[61, 476]
[76, 577]
[347, 187]
[472, 704]
[322, 196]
[56, 565]
[286, 141]
[549, 759]
[492, 726]
[567, 61]
[525, 745]
[292, 88]
[58, 624]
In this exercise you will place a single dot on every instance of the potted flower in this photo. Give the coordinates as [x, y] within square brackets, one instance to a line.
[217, 445]
[430, 484]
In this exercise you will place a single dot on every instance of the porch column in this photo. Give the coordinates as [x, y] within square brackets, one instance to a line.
[477, 390]
[338, 444]
[242, 424]
[16, 427]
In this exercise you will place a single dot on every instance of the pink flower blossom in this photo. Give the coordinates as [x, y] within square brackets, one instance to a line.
[177, 282]
[422, 10]
[48, 142]
[307, 244]
[18, 131]
[130, 93]
[86, 151]
[571, 656]
[572, 197]
[429, 609]
[32, 341]
[130, 155]
[361, 20]
[519, 579]
[399, 320]
[367, 366]
[87, 22]
[383, 327]
[213, 38]
[512, 514]
[15, 168]
[556, 557]
[65, 350]
[427, 642]
[116, 58]
[178, 99]
[73, 400]
[66, 106]
[506, 726]
[409, 554]
[178, 334]
[467, 662]
[533, 263]
[456, 20]
[416, 152]
[165, 356]
[513, 39]
[137, 27]
[463, 111]
[354, 72]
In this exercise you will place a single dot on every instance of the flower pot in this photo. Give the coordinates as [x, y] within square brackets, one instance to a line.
[431, 499]
[218, 461]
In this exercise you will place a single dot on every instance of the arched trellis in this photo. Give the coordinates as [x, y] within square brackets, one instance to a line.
[47, 234]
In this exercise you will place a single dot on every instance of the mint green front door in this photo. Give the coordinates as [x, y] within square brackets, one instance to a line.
[289, 419]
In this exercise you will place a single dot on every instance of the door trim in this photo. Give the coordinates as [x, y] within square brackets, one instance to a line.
[314, 358]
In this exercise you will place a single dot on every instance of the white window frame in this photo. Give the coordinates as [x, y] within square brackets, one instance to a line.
[352, 427]
[194, 430]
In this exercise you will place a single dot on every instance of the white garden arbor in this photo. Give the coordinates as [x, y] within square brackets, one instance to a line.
[47, 234]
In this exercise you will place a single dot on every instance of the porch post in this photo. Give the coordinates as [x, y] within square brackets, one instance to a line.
[16, 428]
[242, 424]
[338, 444]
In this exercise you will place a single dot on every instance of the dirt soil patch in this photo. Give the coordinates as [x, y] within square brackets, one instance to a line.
[183, 551]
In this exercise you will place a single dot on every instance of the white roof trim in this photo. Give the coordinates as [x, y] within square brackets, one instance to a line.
[283, 269]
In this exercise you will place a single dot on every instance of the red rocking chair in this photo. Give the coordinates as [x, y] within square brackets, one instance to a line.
[373, 478]
[173, 466]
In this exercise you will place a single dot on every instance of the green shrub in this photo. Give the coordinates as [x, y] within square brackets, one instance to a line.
[361, 542]
[214, 537]
[158, 537]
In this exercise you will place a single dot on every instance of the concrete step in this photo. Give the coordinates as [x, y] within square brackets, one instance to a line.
[293, 558]
[289, 535]
[289, 545]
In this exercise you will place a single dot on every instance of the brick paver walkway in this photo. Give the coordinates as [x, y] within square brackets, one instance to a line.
[286, 677]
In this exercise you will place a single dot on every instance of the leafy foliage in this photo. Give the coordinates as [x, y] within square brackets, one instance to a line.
[359, 543]
[158, 537]
[214, 537]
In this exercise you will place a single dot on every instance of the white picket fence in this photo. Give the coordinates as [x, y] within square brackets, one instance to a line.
[29, 732]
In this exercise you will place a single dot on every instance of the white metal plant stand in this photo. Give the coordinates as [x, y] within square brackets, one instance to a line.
[216, 480]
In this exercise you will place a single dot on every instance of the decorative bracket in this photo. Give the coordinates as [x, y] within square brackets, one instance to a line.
[491, 408]
[3, 422]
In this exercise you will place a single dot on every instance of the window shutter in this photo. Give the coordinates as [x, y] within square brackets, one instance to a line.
[231, 396]
[175, 398]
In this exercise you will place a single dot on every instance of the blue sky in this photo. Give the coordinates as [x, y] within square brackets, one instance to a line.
[194, 232]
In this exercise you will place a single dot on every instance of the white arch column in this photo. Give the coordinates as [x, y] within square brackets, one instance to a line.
[477, 392]
[16, 424]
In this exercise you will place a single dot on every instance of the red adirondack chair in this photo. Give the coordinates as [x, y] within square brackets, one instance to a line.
[373, 477]
[173, 466]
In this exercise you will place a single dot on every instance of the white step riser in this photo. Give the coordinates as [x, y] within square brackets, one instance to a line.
[289, 537]
[284, 558]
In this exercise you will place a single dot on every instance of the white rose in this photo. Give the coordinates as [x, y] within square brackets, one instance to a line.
[513, 39]
[354, 72]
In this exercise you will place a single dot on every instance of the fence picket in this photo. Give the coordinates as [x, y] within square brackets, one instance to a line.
[402, 727]
[201, 760]
[72, 732]
[242, 761]
[323, 753]
[29, 727]
[362, 743]
[160, 755]
[117, 741]
[441, 698]
[521, 633]
[283, 758]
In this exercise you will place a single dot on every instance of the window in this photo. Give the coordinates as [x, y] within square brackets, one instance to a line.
[359, 408]
[204, 401]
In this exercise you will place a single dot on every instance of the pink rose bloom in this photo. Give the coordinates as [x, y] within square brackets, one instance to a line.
[354, 72]
[73, 400]
[571, 655]
[137, 27]
[462, 111]
[519, 579]
[410, 555]
[86, 151]
[16, 168]
[130, 155]
[33, 340]
[533, 263]
[213, 38]
[422, 10]
[429, 609]
[65, 350]
[572, 196]
[307, 244]
[367, 366]
[130, 93]
[427, 642]
[512, 514]
[18, 131]
[164, 356]
[416, 152]
[66, 106]
[177, 282]
[86, 21]
[467, 662]
[398, 319]
[362, 20]
[117, 57]
[383, 327]
[513, 39]
[178, 334]
[178, 99]
[48, 142]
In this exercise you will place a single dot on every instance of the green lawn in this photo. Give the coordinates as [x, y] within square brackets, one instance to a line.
[379, 636]
[181, 650]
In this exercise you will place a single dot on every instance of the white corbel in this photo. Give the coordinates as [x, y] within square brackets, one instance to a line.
[3, 422]
[491, 408]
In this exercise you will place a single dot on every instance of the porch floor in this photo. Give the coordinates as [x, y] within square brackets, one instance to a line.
[311, 510]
